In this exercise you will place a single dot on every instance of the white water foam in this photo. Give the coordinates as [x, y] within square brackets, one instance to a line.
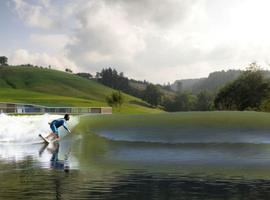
[25, 129]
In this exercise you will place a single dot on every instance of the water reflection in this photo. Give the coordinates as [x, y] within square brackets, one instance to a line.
[36, 183]
[55, 161]
[103, 169]
[53, 155]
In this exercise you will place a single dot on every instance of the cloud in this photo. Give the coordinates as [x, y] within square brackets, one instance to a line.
[50, 42]
[156, 40]
[159, 13]
[129, 35]
[35, 15]
[22, 56]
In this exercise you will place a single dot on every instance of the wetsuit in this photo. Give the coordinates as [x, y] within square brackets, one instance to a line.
[55, 124]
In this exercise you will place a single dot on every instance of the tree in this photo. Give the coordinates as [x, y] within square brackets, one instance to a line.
[179, 86]
[169, 104]
[68, 70]
[167, 86]
[246, 92]
[111, 78]
[180, 102]
[185, 101]
[3, 60]
[204, 101]
[85, 75]
[116, 99]
[152, 95]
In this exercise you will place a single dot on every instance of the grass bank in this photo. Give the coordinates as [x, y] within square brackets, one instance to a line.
[56, 88]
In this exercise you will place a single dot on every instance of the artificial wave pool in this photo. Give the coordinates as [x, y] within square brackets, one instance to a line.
[164, 156]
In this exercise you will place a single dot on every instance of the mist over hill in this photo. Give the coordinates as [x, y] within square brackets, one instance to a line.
[212, 83]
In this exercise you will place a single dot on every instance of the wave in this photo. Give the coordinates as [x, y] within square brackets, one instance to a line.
[25, 129]
[181, 137]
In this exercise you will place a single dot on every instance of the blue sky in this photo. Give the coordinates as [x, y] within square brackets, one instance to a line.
[157, 40]
[13, 32]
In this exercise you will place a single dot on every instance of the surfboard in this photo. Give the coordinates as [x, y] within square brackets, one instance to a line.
[45, 140]
[42, 149]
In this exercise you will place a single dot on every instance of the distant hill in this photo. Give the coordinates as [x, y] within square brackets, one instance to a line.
[186, 84]
[56, 88]
[212, 83]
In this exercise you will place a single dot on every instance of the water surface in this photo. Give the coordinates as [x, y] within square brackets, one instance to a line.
[128, 159]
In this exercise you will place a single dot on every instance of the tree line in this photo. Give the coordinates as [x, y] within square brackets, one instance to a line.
[250, 91]
[242, 90]
[156, 95]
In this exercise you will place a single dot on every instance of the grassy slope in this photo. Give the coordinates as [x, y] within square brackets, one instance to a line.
[56, 88]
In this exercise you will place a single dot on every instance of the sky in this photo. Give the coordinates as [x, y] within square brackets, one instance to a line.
[156, 40]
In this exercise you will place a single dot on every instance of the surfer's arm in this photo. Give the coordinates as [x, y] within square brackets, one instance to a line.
[65, 127]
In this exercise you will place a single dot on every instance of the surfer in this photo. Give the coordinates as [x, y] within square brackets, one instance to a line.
[55, 124]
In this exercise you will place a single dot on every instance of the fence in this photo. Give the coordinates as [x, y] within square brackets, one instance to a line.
[36, 109]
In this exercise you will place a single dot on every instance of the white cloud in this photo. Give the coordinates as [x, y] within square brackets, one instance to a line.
[39, 15]
[157, 40]
[50, 42]
[22, 56]
[129, 41]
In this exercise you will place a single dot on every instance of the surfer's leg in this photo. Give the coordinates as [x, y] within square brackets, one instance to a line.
[54, 132]
[50, 135]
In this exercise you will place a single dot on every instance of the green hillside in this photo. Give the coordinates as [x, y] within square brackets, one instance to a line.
[56, 88]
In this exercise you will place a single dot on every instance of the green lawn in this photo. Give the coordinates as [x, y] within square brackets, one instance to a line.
[19, 95]
[56, 88]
